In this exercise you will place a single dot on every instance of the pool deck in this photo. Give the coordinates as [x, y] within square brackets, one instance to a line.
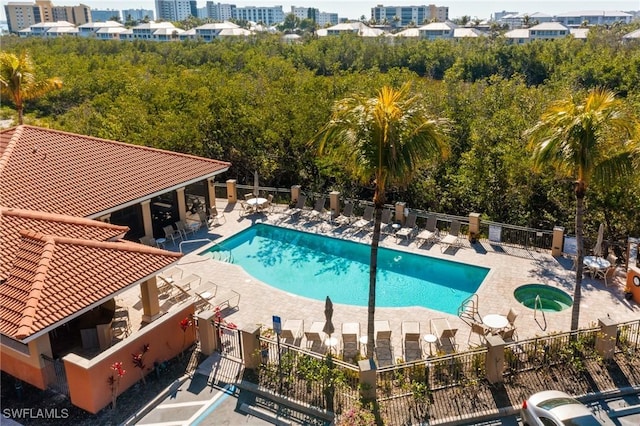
[509, 268]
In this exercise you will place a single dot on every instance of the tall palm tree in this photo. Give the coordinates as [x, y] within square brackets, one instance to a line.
[584, 140]
[19, 82]
[381, 140]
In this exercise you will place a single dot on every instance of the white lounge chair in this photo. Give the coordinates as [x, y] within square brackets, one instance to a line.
[409, 227]
[350, 340]
[365, 221]
[294, 211]
[318, 209]
[452, 239]
[346, 216]
[292, 330]
[411, 341]
[386, 222]
[383, 348]
[429, 233]
[445, 335]
[315, 337]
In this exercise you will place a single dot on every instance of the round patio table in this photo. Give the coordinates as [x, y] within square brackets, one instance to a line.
[495, 321]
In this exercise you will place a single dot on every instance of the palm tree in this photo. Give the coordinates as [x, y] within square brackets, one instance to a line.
[384, 141]
[19, 82]
[584, 141]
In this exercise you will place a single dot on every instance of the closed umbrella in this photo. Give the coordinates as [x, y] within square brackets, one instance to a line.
[597, 250]
[328, 324]
[255, 184]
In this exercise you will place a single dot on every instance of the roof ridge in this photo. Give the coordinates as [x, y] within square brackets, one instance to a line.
[129, 145]
[37, 284]
[6, 154]
[57, 217]
[119, 244]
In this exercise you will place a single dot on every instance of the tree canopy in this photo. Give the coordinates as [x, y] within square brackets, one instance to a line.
[257, 102]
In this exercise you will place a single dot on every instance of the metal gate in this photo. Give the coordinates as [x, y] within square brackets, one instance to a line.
[54, 369]
[229, 342]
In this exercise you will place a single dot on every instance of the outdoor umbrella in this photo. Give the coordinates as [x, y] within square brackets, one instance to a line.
[328, 324]
[597, 250]
[255, 183]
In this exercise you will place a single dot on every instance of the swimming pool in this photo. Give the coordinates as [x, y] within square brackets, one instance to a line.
[317, 266]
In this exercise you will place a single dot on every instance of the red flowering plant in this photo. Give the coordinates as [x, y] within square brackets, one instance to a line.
[138, 362]
[221, 321]
[114, 381]
[184, 325]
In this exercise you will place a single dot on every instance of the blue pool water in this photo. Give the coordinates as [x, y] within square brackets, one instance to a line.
[316, 266]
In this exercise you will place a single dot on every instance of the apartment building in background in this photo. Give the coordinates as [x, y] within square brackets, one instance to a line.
[322, 19]
[402, 16]
[176, 10]
[266, 15]
[22, 15]
[104, 15]
[220, 11]
[138, 15]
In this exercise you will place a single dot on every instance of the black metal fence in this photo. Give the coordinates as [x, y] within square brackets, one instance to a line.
[435, 373]
[542, 352]
[306, 376]
[628, 338]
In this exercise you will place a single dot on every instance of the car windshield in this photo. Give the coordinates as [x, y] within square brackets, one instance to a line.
[550, 404]
[582, 421]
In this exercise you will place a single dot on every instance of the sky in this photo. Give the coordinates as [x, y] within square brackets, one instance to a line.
[356, 8]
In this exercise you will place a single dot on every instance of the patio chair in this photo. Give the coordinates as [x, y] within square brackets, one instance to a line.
[185, 229]
[508, 334]
[346, 216]
[607, 275]
[148, 241]
[445, 335]
[429, 233]
[365, 221]
[292, 330]
[511, 317]
[480, 330]
[409, 227]
[267, 207]
[172, 234]
[297, 209]
[386, 222]
[383, 347]
[412, 351]
[315, 336]
[452, 239]
[318, 209]
[215, 217]
[350, 340]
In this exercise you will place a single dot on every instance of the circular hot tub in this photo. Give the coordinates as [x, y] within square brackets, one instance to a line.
[543, 297]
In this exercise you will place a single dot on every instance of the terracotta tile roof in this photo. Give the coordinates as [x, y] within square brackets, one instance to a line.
[55, 277]
[12, 221]
[59, 172]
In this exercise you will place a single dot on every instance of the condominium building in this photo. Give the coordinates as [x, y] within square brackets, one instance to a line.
[402, 16]
[267, 15]
[322, 19]
[220, 11]
[100, 15]
[593, 17]
[138, 15]
[176, 10]
[22, 15]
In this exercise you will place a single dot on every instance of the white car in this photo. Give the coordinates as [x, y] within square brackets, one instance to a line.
[555, 408]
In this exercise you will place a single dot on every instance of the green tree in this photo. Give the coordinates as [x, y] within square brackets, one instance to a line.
[584, 141]
[381, 141]
[19, 82]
